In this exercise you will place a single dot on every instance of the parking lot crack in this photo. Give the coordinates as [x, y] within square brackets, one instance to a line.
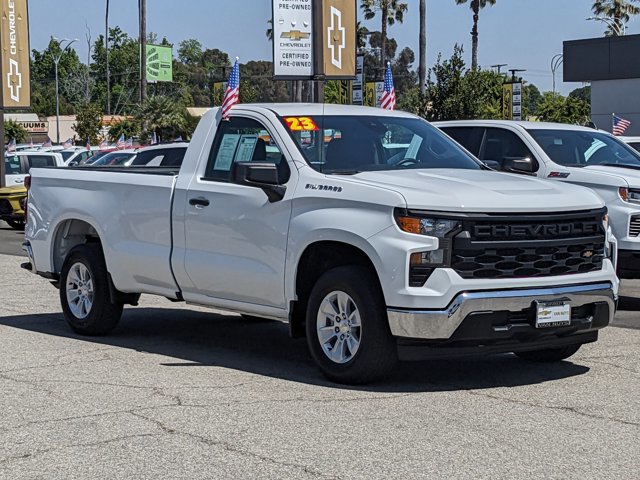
[233, 448]
[573, 410]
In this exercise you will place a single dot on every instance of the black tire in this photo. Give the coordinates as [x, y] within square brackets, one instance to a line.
[102, 316]
[377, 353]
[549, 355]
[16, 224]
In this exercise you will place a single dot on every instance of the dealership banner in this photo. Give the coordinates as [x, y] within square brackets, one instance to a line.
[292, 39]
[159, 63]
[336, 40]
[14, 41]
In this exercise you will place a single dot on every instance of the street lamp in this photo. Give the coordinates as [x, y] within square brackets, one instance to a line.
[56, 60]
[556, 61]
[617, 29]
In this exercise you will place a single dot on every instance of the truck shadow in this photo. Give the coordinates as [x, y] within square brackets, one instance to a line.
[199, 340]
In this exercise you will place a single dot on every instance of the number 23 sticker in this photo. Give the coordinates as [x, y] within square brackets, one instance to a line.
[301, 124]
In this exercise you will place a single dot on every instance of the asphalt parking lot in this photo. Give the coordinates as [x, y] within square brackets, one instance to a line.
[184, 392]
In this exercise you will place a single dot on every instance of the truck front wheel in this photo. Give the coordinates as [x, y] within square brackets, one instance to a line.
[550, 354]
[347, 328]
[84, 292]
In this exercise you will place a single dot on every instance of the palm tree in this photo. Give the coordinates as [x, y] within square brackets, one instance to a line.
[391, 11]
[618, 12]
[422, 62]
[476, 6]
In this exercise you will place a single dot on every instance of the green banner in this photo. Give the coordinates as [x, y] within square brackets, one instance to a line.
[159, 63]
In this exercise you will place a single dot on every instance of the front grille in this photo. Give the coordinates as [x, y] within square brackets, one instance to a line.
[5, 207]
[634, 226]
[529, 246]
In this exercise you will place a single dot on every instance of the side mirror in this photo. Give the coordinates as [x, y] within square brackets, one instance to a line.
[263, 175]
[518, 165]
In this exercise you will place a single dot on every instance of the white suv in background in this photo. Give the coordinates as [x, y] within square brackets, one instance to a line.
[568, 153]
[18, 164]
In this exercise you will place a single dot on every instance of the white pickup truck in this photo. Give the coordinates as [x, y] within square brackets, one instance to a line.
[370, 232]
[572, 154]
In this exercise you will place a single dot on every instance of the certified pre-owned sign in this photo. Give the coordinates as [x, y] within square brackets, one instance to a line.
[14, 38]
[292, 39]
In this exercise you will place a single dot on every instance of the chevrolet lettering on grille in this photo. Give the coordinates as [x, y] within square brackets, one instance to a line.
[536, 231]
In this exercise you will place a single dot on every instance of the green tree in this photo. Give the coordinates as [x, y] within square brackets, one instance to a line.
[476, 6]
[128, 127]
[391, 11]
[88, 122]
[531, 98]
[619, 12]
[556, 108]
[446, 89]
[164, 116]
[14, 131]
[190, 51]
[583, 93]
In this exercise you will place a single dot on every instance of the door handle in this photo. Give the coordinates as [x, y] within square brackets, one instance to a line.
[199, 202]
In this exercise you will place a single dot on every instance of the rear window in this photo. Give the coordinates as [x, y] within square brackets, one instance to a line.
[13, 166]
[36, 161]
[165, 157]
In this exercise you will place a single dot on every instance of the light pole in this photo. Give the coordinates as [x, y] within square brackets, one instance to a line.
[556, 61]
[56, 61]
[618, 30]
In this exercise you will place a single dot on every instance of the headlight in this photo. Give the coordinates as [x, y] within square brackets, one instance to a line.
[631, 195]
[430, 226]
[422, 264]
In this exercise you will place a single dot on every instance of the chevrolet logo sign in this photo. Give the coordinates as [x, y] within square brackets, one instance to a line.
[295, 35]
[587, 254]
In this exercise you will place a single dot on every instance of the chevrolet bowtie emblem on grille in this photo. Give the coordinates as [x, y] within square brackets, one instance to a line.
[295, 35]
[587, 254]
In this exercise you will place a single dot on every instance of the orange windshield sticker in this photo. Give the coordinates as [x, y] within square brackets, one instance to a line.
[301, 124]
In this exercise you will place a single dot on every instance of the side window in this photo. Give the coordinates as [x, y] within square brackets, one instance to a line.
[469, 137]
[500, 145]
[242, 140]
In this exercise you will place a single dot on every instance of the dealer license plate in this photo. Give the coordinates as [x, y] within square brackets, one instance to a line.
[552, 314]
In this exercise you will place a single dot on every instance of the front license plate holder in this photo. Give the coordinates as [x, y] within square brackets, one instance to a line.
[552, 314]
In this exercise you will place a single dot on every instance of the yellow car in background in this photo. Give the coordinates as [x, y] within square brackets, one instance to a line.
[12, 205]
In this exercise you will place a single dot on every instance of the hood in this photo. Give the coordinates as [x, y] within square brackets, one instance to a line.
[628, 175]
[481, 191]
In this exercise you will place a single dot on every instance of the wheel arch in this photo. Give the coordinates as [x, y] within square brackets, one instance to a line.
[69, 233]
[317, 258]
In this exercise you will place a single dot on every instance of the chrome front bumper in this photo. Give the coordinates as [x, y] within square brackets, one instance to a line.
[441, 324]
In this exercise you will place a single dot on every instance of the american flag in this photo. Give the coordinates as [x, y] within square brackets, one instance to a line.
[104, 144]
[48, 143]
[31, 143]
[129, 143]
[388, 100]
[232, 95]
[88, 143]
[121, 143]
[619, 125]
[68, 143]
[154, 139]
[11, 146]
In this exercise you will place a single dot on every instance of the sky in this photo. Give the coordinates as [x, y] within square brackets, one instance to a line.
[521, 33]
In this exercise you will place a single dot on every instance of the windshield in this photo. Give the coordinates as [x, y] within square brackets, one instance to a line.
[579, 148]
[352, 144]
[112, 159]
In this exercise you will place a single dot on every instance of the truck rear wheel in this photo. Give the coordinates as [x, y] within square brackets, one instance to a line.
[550, 354]
[84, 292]
[347, 327]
